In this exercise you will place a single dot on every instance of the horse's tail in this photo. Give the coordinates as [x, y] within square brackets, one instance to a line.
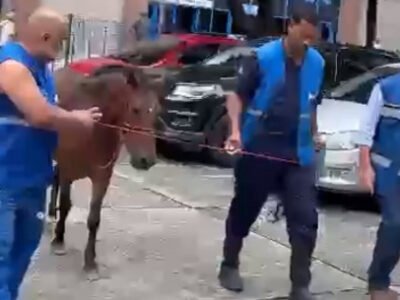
[55, 187]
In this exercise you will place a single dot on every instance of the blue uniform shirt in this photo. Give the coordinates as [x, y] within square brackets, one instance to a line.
[285, 108]
[25, 152]
[370, 119]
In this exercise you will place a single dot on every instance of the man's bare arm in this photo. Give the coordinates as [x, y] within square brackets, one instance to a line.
[17, 82]
[314, 123]
[234, 107]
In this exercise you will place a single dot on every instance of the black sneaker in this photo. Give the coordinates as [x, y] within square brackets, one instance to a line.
[230, 279]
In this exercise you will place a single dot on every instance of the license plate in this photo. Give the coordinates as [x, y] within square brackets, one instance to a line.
[337, 173]
[182, 122]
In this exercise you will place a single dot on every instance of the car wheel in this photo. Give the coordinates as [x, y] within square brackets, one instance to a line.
[216, 138]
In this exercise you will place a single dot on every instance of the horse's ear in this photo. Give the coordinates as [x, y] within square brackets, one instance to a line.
[136, 78]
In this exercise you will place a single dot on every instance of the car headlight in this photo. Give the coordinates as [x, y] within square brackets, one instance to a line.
[196, 91]
[339, 140]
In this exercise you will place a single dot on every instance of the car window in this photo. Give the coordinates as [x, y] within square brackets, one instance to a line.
[231, 55]
[196, 54]
[357, 61]
[359, 88]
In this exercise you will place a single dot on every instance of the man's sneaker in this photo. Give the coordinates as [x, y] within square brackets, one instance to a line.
[230, 279]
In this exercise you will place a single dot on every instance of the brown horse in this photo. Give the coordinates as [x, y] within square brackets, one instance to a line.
[125, 98]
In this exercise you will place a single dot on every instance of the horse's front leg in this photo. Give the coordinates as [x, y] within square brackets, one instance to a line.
[99, 189]
[58, 243]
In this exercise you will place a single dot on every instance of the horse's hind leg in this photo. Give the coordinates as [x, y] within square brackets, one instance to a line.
[58, 243]
[99, 189]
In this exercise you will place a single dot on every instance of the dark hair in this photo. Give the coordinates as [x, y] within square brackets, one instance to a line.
[306, 12]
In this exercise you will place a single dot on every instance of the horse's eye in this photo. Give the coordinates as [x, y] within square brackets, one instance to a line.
[136, 111]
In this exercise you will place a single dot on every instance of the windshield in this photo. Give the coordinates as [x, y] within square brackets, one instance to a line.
[228, 55]
[358, 88]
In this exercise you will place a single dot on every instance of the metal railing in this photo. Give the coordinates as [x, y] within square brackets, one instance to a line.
[89, 38]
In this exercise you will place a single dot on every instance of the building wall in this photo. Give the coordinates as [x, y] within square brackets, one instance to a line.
[131, 10]
[388, 24]
[98, 9]
[352, 22]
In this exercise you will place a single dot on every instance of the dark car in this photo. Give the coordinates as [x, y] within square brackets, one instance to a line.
[194, 113]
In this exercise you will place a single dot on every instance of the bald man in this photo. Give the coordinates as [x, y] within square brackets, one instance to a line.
[29, 123]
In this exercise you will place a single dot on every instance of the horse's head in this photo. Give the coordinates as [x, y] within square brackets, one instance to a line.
[141, 117]
[126, 99]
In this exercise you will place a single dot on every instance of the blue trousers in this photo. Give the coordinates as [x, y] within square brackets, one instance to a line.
[387, 248]
[21, 225]
[255, 179]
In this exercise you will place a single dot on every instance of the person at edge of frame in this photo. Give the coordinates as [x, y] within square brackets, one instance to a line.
[29, 123]
[273, 112]
[379, 173]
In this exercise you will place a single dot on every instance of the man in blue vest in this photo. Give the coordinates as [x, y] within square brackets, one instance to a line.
[273, 113]
[29, 122]
[379, 142]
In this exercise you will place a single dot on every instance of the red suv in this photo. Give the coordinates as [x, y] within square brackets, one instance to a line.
[175, 50]
[193, 48]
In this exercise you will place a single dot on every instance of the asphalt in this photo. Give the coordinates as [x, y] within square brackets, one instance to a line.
[161, 235]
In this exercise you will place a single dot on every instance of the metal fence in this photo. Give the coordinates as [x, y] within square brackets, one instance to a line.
[89, 38]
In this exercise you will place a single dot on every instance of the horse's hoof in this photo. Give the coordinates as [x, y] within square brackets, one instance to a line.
[58, 248]
[92, 273]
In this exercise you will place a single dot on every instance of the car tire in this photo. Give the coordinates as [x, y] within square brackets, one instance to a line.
[216, 137]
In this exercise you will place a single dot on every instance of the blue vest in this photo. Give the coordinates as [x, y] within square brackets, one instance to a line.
[385, 152]
[25, 152]
[271, 58]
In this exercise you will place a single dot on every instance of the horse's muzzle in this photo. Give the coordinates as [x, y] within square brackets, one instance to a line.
[143, 163]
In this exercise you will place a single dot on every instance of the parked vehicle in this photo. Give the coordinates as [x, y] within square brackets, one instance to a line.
[338, 164]
[193, 114]
[177, 50]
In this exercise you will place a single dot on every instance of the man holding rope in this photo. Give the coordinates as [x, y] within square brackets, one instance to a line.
[379, 142]
[29, 122]
[277, 97]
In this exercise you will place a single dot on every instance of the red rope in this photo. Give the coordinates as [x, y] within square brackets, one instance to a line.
[151, 132]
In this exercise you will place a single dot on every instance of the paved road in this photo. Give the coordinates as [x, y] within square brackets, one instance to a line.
[161, 234]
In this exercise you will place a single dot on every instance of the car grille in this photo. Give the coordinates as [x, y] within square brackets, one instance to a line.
[189, 115]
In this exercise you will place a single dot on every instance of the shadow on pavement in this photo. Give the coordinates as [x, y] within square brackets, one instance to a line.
[357, 203]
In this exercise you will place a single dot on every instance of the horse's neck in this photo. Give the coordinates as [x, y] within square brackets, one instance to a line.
[107, 141]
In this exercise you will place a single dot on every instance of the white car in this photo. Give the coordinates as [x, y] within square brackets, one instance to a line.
[339, 118]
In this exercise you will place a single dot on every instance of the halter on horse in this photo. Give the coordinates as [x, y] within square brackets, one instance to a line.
[126, 99]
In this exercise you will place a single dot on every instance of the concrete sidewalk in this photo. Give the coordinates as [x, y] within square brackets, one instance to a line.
[151, 248]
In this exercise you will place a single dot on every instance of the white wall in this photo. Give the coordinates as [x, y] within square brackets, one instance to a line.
[97, 9]
[389, 23]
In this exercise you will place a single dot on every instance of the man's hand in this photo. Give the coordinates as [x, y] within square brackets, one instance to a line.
[367, 177]
[88, 117]
[233, 144]
[319, 142]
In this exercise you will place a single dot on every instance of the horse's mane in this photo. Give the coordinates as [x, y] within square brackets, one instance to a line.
[147, 52]
[134, 75]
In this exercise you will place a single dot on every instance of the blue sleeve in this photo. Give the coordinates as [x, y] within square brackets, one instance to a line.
[370, 119]
[248, 77]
